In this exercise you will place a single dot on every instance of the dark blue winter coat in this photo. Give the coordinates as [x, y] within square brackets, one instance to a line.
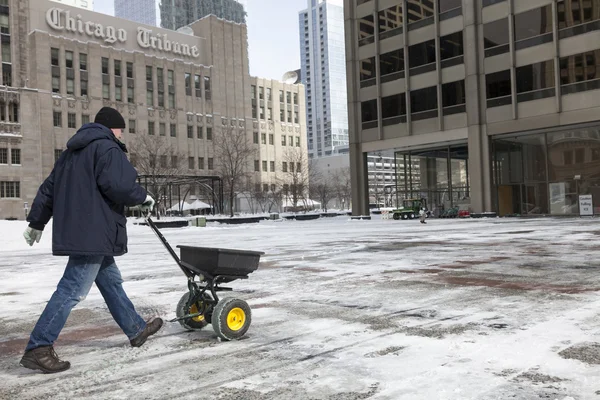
[86, 193]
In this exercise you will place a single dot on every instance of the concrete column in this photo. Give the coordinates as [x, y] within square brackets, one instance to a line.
[479, 157]
[360, 180]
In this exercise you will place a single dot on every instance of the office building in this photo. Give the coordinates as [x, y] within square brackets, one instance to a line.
[497, 101]
[87, 4]
[178, 13]
[322, 54]
[140, 11]
[177, 91]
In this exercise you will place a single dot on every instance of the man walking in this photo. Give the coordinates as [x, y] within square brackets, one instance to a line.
[86, 194]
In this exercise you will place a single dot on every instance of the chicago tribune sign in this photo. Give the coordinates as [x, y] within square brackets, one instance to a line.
[61, 20]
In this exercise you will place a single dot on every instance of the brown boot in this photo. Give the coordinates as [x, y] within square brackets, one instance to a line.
[44, 359]
[151, 328]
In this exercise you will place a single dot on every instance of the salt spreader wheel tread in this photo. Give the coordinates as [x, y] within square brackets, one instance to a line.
[194, 323]
[231, 318]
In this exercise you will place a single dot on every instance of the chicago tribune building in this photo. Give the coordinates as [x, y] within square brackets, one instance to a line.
[176, 91]
[492, 105]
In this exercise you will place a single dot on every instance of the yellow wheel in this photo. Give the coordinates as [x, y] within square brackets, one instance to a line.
[194, 323]
[231, 318]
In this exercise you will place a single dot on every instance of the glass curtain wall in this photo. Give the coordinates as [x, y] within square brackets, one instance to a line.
[439, 175]
[545, 173]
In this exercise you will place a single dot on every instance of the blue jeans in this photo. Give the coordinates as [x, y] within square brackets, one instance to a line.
[81, 272]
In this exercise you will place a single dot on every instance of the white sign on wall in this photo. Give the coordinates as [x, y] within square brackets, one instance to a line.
[586, 207]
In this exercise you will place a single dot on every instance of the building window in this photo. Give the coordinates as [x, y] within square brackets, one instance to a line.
[163, 161]
[369, 114]
[4, 24]
[282, 115]
[498, 88]
[261, 93]
[118, 93]
[255, 137]
[297, 141]
[263, 138]
[117, 67]
[7, 74]
[174, 162]
[83, 61]
[68, 59]
[366, 30]
[281, 96]
[367, 72]
[197, 86]
[151, 128]
[284, 166]
[423, 103]
[105, 91]
[288, 97]
[390, 22]
[283, 140]
[271, 139]
[200, 162]
[72, 121]
[208, 133]
[253, 91]
[200, 132]
[207, 88]
[495, 37]
[160, 78]
[422, 55]
[264, 166]
[57, 154]
[391, 63]
[132, 126]
[447, 5]
[256, 166]
[57, 117]
[574, 17]
[54, 57]
[290, 141]
[191, 163]
[130, 95]
[289, 115]
[70, 86]
[85, 119]
[453, 97]
[10, 190]
[535, 81]
[393, 109]
[451, 49]
[105, 65]
[270, 114]
[84, 88]
[272, 165]
[190, 132]
[210, 164]
[3, 156]
[296, 119]
[173, 130]
[15, 156]
[533, 27]
[580, 72]
[129, 70]
[162, 129]
[188, 84]
[269, 94]
[420, 13]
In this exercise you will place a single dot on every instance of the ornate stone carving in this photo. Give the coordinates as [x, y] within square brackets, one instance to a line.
[162, 114]
[151, 112]
[57, 101]
[85, 105]
[173, 114]
[132, 110]
[242, 123]
[199, 118]
[71, 103]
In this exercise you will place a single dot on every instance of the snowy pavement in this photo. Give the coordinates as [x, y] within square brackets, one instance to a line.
[382, 309]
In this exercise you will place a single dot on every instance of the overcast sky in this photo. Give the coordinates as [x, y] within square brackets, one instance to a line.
[272, 34]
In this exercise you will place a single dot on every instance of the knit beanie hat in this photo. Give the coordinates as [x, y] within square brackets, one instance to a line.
[110, 118]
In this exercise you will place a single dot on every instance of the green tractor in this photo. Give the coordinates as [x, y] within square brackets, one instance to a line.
[410, 209]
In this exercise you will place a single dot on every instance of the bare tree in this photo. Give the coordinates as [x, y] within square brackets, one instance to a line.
[322, 188]
[294, 177]
[343, 186]
[159, 161]
[233, 153]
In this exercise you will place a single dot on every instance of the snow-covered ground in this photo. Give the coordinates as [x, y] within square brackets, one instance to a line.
[382, 309]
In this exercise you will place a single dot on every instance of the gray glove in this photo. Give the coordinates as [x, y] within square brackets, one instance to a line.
[32, 235]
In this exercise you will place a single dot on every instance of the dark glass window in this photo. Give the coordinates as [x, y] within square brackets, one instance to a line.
[421, 54]
[580, 67]
[393, 106]
[533, 23]
[576, 12]
[451, 45]
[447, 5]
[129, 70]
[54, 57]
[498, 84]
[68, 59]
[495, 33]
[105, 65]
[423, 99]
[83, 61]
[367, 68]
[117, 68]
[453, 94]
[366, 28]
[369, 110]
[535, 76]
[391, 62]
[419, 9]
[390, 19]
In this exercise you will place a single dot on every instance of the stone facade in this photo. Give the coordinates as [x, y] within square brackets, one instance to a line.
[205, 87]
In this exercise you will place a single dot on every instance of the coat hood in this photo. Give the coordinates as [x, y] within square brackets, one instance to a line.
[90, 133]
